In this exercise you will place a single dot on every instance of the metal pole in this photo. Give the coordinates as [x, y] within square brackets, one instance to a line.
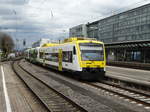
[16, 30]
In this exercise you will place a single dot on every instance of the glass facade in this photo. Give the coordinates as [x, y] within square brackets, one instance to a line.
[78, 31]
[137, 51]
[127, 26]
[92, 29]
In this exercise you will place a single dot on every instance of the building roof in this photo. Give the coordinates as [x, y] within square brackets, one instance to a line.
[131, 44]
[95, 22]
[80, 25]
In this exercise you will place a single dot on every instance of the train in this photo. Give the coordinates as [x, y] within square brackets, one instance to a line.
[84, 57]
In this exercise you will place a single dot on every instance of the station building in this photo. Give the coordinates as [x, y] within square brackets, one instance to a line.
[78, 31]
[126, 35]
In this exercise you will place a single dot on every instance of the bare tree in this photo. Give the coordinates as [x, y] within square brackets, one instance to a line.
[6, 43]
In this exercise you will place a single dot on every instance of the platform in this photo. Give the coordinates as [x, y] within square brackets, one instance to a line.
[128, 74]
[14, 94]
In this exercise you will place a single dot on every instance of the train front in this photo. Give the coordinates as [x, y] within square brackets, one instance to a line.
[92, 59]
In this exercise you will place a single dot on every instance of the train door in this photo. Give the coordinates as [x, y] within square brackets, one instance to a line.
[74, 57]
[60, 60]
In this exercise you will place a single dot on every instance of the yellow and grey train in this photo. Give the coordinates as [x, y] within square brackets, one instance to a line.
[85, 57]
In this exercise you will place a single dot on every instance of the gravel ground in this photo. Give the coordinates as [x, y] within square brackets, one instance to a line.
[90, 98]
[21, 98]
[83, 100]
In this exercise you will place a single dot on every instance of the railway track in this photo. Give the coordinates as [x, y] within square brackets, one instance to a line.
[50, 97]
[133, 96]
[128, 94]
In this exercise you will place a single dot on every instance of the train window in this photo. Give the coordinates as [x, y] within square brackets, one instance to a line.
[54, 57]
[31, 54]
[92, 55]
[40, 55]
[67, 56]
[51, 57]
[92, 52]
[74, 50]
[35, 53]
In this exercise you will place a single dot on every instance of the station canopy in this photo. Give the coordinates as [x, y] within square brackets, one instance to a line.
[128, 44]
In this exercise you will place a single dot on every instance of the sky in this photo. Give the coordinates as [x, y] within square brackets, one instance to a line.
[32, 20]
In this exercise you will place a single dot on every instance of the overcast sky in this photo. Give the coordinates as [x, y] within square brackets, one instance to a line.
[35, 19]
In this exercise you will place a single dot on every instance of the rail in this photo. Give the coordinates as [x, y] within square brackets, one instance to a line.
[50, 97]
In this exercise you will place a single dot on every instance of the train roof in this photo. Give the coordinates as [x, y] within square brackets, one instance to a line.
[50, 44]
[71, 40]
[80, 39]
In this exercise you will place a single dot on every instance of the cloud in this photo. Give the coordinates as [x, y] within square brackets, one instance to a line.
[14, 2]
[35, 19]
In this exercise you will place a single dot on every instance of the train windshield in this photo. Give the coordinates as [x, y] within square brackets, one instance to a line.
[92, 52]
